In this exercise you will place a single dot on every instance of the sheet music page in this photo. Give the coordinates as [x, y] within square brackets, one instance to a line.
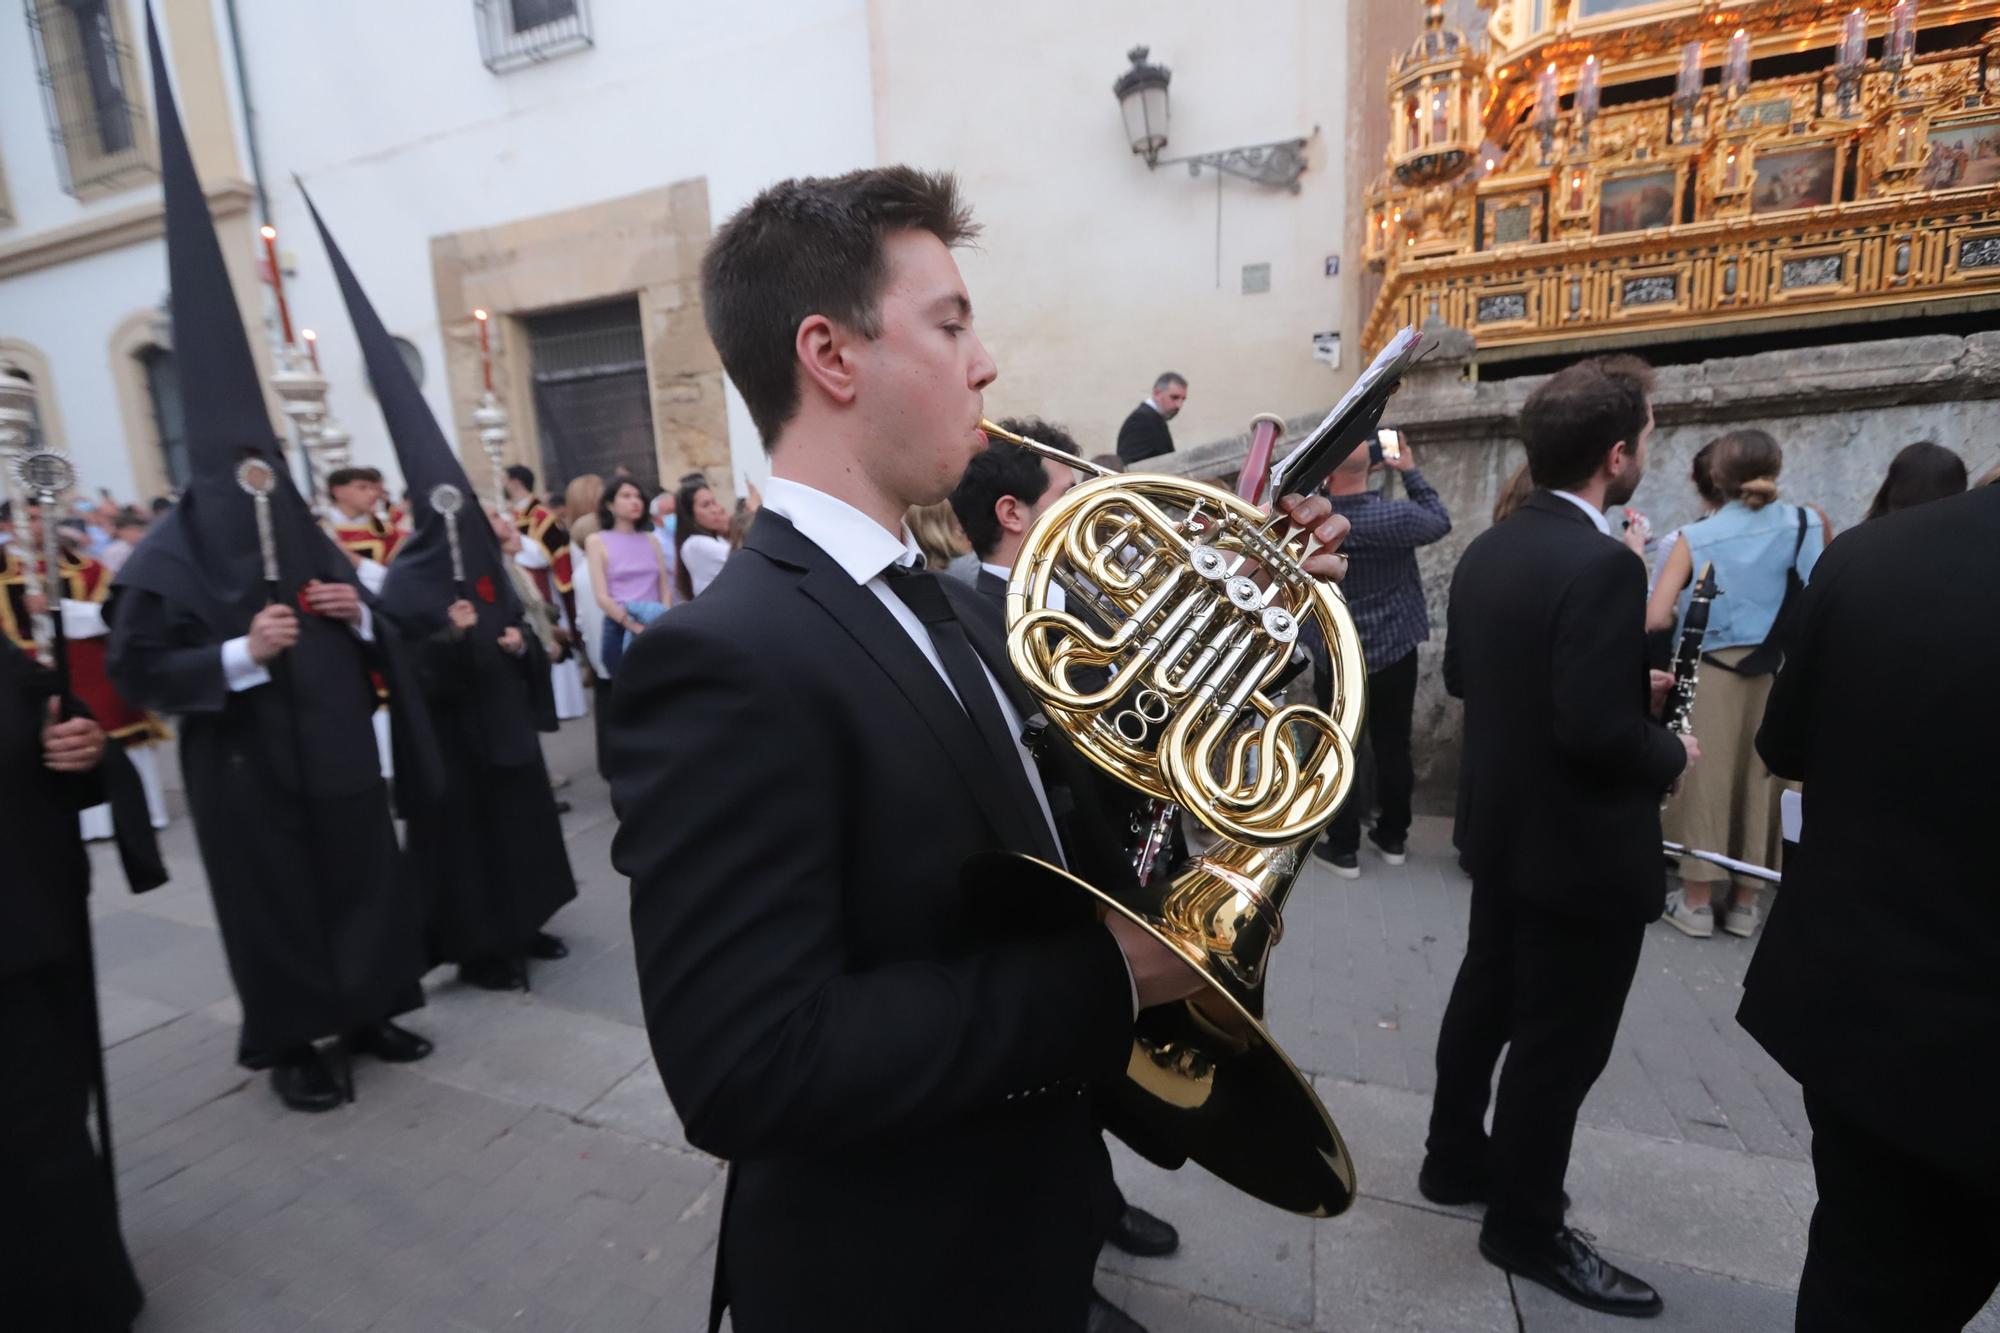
[1387, 360]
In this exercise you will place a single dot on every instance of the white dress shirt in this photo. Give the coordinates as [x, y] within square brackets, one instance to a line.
[1603, 524]
[863, 548]
[1058, 599]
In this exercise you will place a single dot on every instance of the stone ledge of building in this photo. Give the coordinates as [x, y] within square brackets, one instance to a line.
[112, 231]
[1440, 400]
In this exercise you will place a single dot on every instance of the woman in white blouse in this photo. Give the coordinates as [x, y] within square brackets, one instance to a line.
[701, 536]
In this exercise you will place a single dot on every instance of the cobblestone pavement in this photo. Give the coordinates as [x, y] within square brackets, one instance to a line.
[531, 1175]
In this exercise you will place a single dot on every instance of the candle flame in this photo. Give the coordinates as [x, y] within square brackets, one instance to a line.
[268, 232]
[479, 314]
[307, 334]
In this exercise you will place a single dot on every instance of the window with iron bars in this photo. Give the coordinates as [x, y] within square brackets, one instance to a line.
[91, 91]
[513, 33]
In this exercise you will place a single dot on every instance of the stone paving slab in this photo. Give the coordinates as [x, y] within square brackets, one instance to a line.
[1387, 1266]
[532, 1174]
[1234, 1249]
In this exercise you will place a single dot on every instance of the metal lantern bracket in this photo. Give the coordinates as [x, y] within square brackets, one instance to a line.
[1278, 164]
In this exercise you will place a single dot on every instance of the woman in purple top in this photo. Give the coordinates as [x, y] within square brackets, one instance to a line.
[627, 567]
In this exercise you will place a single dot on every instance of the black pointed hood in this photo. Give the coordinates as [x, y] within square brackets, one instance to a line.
[205, 554]
[420, 584]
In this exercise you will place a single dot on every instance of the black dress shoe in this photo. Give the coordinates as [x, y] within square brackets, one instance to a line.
[388, 1043]
[304, 1083]
[1107, 1318]
[491, 974]
[1138, 1232]
[546, 948]
[1567, 1264]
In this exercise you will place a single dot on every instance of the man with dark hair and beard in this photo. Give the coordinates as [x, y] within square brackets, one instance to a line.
[242, 618]
[1559, 825]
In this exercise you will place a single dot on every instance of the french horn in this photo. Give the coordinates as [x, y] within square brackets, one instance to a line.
[1151, 617]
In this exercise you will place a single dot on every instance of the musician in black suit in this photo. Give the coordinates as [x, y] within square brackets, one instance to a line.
[1884, 1005]
[802, 760]
[1144, 434]
[1003, 492]
[1559, 826]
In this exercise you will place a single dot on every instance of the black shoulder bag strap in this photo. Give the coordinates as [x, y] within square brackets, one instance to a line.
[1769, 655]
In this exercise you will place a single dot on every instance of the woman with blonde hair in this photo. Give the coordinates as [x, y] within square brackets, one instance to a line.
[580, 503]
[942, 541]
[1761, 551]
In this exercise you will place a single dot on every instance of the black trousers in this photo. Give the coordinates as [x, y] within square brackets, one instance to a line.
[1895, 1243]
[1392, 701]
[1551, 988]
[63, 1267]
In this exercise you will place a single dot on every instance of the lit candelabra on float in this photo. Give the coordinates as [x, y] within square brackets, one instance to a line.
[295, 376]
[491, 418]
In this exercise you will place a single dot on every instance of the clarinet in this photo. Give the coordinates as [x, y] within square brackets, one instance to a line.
[1687, 658]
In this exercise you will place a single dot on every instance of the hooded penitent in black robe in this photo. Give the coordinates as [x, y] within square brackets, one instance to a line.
[489, 852]
[62, 1262]
[291, 815]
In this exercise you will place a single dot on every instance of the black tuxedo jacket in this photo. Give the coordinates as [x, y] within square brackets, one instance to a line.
[903, 1094]
[1564, 768]
[1144, 435]
[1877, 982]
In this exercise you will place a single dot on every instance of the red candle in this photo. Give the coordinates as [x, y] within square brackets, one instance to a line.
[270, 235]
[312, 347]
[485, 352]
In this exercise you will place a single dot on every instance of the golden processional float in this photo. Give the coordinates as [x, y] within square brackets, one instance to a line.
[1599, 172]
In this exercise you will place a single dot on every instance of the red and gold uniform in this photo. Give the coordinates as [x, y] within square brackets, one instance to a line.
[372, 542]
[538, 524]
[87, 583]
[368, 537]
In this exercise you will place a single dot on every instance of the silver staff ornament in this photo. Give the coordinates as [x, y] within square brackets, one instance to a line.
[257, 479]
[448, 500]
[45, 476]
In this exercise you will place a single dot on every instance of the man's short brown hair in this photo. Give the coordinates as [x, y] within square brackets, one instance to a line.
[1571, 422]
[812, 247]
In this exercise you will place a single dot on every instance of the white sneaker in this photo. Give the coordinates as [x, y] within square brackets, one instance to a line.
[1696, 921]
[1742, 920]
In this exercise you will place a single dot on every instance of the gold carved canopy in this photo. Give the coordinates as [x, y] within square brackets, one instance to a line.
[1638, 170]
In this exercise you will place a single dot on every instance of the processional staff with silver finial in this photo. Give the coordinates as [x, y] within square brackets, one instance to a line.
[46, 476]
[257, 479]
[447, 500]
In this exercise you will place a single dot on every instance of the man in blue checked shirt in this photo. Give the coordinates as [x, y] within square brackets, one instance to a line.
[1386, 597]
